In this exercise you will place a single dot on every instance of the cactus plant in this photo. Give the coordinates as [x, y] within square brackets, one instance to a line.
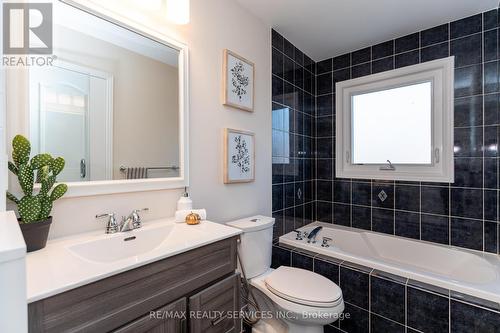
[33, 207]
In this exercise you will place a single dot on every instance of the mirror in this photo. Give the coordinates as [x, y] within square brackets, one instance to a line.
[112, 103]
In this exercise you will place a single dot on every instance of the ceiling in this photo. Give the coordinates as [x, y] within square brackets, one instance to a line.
[327, 28]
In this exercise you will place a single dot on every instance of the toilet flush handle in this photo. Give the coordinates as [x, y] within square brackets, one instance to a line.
[325, 242]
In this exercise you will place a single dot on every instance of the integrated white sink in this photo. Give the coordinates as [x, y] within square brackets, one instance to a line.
[124, 244]
[71, 262]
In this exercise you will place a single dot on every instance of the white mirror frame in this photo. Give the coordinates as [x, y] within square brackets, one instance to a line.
[90, 188]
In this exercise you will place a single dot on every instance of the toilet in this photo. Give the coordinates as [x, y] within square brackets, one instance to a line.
[301, 301]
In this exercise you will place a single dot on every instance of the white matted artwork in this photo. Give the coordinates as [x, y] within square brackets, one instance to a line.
[239, 156]
[238, 79]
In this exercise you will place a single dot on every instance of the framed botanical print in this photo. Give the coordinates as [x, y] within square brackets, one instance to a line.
[239, 156]
[238, 81]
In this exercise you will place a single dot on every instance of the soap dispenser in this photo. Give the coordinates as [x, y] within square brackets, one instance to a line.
[185, 202]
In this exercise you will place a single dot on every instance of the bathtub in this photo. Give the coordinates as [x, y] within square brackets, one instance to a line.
[470, 272]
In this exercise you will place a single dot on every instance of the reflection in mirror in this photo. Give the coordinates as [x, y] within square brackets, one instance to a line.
[110, 103]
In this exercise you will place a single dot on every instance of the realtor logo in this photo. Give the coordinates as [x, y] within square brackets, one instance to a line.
[27, 28]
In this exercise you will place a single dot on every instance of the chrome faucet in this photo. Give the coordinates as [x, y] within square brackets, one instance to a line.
[128, 223]
[311, 238]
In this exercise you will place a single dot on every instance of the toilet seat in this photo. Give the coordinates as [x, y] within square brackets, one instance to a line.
[303, 287]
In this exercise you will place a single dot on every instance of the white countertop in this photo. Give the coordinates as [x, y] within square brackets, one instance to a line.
[56, 268]
[12, 244]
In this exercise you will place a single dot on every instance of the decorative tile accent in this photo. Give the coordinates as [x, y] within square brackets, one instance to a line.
[382, 195]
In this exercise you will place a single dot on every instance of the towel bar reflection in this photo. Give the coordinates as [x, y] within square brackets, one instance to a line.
[173, 167]
[143, 172]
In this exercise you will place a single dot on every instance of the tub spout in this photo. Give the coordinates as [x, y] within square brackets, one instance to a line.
[311, 238]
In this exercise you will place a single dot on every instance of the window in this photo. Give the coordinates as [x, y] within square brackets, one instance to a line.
[397, 125]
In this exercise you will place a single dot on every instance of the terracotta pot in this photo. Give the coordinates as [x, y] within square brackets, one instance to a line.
[36, 234]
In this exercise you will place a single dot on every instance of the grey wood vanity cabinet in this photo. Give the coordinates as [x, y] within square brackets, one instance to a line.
[199, 280]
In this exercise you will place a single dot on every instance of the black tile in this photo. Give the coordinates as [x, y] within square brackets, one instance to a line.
[288, 69]
[427, 312]
[324, 126]
[361, 193]
[466, 318]
[324, 82]
[491, 114]
[342, 61]
[468, 81]
[436, 51]
[467, 233]
[467, 50]
[357, 321]
[491, 141]
[309, 63]
[280, 257]
[407, 43]
[277, 171]
[468, 172]
[383, 195]
[324, 211]
[341, 75]
[490, 77]
[434, 35]
[382, 65]
[381, 325]
[324, 66]
[354, 287]
[383, 220]
[327, 269]
[490, 41]
[277, 89]
[299, 78]
[428, 288]
[383, 49]
[407, 197]
[288, 48]
[407, 58]
[325, 190]
[491, 237]
[299, 57]
[331, 329]
[490, 205]
[469, 111]
[289, 193]
[361, 217]
[342, 214]
[468, 142]
[407, 225]
[467, 203]
[490, 19]
[361, 56]
[278, 227]
[435, 229]
[342, 191]
[276, 40]
[277, 197]
[435, 200]
[387, 299]
[302, 261]
[324, 169]
[288, 221]
[277, 63]
[324, 105]
[466, 26]
[361, 70]
[491, 173]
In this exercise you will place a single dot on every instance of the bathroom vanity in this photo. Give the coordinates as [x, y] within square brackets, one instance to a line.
[184, 282]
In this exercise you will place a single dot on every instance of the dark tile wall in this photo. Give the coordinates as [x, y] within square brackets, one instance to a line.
[464, 213]
[380, 302]
[294, 86]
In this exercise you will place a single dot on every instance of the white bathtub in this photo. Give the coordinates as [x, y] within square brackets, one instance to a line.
[469, 272]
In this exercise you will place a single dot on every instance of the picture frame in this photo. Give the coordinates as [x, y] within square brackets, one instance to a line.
[239, 156]
[238, 88]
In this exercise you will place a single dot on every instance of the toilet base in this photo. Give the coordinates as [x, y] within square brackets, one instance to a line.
[276, 326]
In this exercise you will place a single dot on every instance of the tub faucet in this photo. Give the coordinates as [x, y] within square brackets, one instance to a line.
[311, 238]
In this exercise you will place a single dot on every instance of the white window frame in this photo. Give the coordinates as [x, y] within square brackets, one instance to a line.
[441, 74]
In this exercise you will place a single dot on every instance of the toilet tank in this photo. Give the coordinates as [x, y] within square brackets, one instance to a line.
[256, 242]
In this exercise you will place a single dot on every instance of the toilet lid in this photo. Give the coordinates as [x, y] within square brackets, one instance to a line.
[303, 287]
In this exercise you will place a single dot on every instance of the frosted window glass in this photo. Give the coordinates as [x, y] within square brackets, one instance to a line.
[393, 124]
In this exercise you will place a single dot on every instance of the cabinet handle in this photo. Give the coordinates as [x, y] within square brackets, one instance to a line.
[219, 320]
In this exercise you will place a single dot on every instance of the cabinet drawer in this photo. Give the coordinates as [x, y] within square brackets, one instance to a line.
[110, 303]
[168, 319]
[216, 307]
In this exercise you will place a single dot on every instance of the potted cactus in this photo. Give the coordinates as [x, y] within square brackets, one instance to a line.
[34, 208]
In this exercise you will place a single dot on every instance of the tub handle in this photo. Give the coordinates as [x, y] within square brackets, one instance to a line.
[299, 234]
[325, 242]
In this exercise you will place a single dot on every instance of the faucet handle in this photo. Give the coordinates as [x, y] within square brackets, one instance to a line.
[325, 242]
[112, 224]
[136, 218]
[299, 234]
